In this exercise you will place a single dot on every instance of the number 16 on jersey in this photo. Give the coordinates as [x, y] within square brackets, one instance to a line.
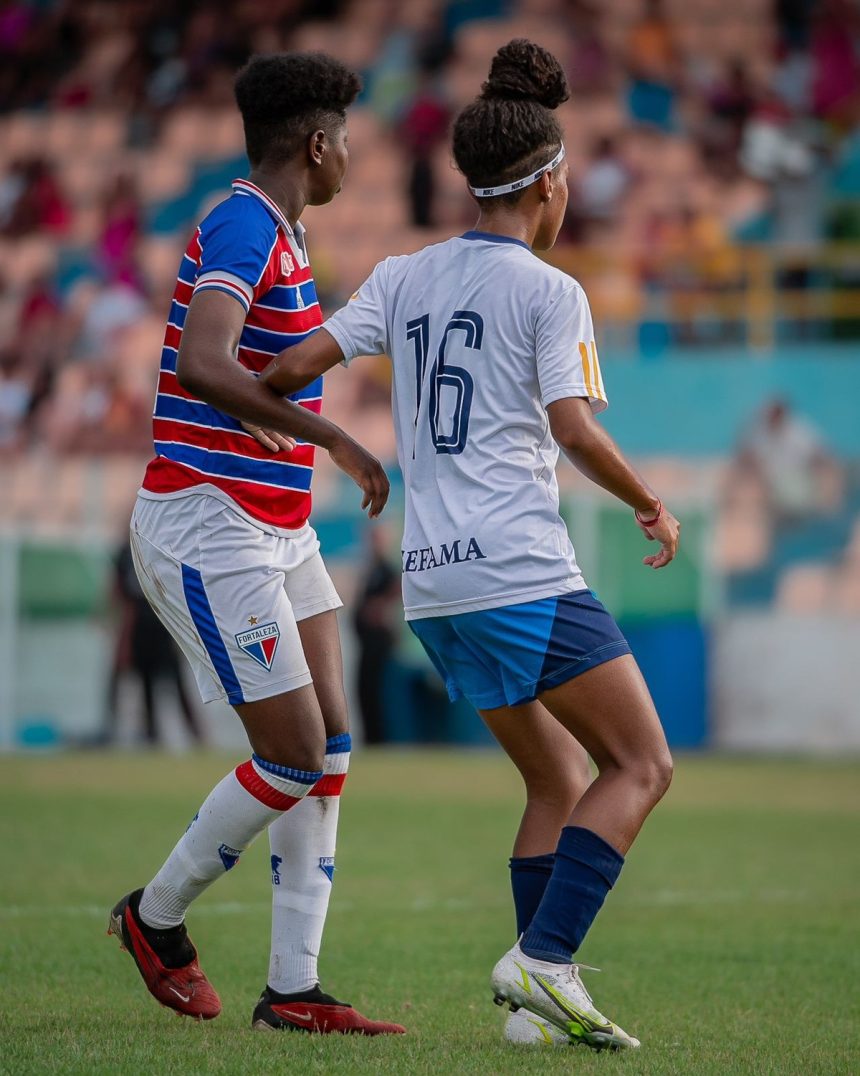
[447, 438]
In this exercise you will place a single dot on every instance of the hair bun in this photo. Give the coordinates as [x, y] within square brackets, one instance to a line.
[523, 71]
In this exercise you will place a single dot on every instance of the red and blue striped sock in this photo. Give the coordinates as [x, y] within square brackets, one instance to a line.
[239, 807]
[302, 844]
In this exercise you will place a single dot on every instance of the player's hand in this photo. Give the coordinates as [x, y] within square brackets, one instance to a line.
[365, 470]
[666, 531]
[271, 439]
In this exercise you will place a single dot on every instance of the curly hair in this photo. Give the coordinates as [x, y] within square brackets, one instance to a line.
[286, 96]
[509, 130]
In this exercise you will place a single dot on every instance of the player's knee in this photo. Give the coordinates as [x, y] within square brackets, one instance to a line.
[654, 773]
[298, 755]
[558, 791]
[557, 802]
[335, 718]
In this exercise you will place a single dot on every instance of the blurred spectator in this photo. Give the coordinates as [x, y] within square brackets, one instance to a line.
[121, 220]
[145, 649]
[424, 127]
[31, 201]
[94, 409]
[115, 306]
[787, 456]
[792, 81]
[652, 61]
[38, 346]
[731, 100]
[15, 399]
[773, 144]
[836, 67]
[778, 148]
[376, 619]
[604, 182]
[590, 67]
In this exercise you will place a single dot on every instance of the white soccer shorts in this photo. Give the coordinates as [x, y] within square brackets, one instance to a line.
[230, 594]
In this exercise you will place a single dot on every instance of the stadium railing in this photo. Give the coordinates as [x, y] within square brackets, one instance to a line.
[762, 292]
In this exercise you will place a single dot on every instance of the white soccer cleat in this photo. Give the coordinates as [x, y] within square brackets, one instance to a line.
[555, 992]
[523, 1028]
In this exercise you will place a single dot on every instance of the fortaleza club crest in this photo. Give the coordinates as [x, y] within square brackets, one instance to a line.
[260, 643]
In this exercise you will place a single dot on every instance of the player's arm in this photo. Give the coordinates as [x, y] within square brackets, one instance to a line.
[303, 363]
[207, 367]
[359, 328]
[593, 452]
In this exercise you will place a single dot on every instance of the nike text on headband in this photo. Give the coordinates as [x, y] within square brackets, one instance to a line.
[509, 188]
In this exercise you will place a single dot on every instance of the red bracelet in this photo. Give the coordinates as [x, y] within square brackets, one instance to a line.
[650, 522]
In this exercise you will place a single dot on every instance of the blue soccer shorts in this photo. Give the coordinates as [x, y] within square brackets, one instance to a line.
[510, 655]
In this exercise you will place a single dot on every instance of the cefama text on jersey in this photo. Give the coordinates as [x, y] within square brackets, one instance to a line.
[457, 552]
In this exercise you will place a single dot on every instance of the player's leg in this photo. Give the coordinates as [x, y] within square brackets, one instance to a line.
[262, 669]
[549, 649]
[203, 597]
[302, 842]
[286, 734]
[609, 710]
[555, 771]
[151, 921]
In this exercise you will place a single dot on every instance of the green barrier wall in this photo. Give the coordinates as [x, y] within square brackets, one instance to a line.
[610, 547]
[58, 580]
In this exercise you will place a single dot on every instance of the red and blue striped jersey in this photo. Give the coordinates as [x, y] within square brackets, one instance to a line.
[246, 248]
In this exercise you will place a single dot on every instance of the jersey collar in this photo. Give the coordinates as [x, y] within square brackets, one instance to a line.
[491, 237]
[245, 186]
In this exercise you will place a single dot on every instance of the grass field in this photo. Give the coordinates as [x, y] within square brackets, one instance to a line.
[729, 946]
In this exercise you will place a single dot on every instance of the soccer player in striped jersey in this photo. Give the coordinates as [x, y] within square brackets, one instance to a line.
[225, 554]
[495, 367]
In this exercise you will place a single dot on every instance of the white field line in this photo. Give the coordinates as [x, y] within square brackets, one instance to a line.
[660, 898]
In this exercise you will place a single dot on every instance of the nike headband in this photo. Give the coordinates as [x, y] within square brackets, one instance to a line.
[509, 188]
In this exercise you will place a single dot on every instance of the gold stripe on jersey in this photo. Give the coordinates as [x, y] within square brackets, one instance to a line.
[598, 376]
[586, 369]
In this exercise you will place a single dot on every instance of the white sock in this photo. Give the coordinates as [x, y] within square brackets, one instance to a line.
[303, 845]
[235, 811]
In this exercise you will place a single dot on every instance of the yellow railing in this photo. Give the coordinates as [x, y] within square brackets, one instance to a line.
[754, 287]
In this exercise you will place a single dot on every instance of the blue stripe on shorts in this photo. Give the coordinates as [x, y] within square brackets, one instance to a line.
[204, 621]
[510, 655]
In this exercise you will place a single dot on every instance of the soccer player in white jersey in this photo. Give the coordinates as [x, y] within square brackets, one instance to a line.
[495, 367]
[226, 556]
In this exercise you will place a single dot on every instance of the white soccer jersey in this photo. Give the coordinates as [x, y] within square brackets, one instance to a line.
[483, 336]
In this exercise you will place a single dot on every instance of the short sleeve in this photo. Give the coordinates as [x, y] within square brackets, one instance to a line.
[235, 249]
[360, 327]
[566, 353]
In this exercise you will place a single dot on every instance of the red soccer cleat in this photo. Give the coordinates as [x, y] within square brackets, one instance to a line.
[316, 1012]
[166, 960]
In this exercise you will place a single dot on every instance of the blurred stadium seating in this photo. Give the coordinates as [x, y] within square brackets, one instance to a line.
[714, 220]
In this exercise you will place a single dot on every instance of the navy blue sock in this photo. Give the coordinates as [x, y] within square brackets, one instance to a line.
[529, 877]
[585, 869]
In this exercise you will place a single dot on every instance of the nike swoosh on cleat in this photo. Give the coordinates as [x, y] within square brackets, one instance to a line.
[297, 1015]
[526, 985]
[181, 997]
[587, 1022]
[547, 1038]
